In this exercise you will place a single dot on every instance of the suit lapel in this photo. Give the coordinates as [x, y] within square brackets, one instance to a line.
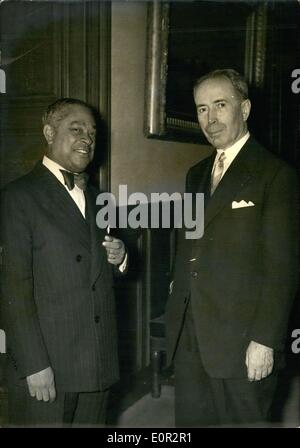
[61, 206]
[67, 215]
[201, 179]
[236, 177]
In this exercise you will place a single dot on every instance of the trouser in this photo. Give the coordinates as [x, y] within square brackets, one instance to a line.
[204, 401]
[69, 409]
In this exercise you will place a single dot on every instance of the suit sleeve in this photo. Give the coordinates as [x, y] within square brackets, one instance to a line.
[181, 244]
[122, 269]
[279, 239]
[19, 312]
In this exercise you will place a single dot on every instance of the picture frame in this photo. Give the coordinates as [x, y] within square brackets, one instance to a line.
[174, 36]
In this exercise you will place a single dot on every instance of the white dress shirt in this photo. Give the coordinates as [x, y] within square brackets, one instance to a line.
[231, 152]
[76, 194]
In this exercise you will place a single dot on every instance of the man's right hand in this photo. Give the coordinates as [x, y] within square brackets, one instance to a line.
[41, 385]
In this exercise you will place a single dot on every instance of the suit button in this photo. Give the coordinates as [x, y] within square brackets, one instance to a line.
[97, 319]
[94, 288]
[78, 258]
[194, 274]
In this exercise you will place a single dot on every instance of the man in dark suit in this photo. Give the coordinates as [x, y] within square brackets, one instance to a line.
[57, 297]
[232, 289]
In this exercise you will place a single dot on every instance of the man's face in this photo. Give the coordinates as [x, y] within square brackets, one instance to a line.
[71, 143]
[222, 114]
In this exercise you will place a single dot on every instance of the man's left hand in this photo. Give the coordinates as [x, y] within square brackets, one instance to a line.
[115, 250]
[259, 361]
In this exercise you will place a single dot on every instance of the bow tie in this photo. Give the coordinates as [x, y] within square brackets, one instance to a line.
[72, 179]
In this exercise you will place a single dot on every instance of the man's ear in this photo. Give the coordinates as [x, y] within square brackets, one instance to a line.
[49, 133]
[246, 107]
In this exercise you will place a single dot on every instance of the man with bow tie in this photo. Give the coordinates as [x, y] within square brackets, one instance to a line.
[233, 289]
[57, 295]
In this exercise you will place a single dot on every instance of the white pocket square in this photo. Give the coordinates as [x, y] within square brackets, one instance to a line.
[242, 204]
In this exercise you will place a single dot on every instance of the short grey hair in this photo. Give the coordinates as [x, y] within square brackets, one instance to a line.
[58, 110]
[237, 80]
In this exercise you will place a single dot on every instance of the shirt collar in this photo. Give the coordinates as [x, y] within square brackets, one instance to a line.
[233, 150]
[54, 168]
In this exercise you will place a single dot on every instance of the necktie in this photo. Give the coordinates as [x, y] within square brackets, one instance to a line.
[72, 179]
[217, 172]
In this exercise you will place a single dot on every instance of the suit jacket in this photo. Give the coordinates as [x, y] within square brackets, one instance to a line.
[243, 281]
[57, 294]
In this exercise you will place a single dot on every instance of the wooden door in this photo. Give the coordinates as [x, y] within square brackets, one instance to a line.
[51, 50]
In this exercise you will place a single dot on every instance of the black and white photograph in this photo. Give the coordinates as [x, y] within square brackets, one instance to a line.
[149, 216]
